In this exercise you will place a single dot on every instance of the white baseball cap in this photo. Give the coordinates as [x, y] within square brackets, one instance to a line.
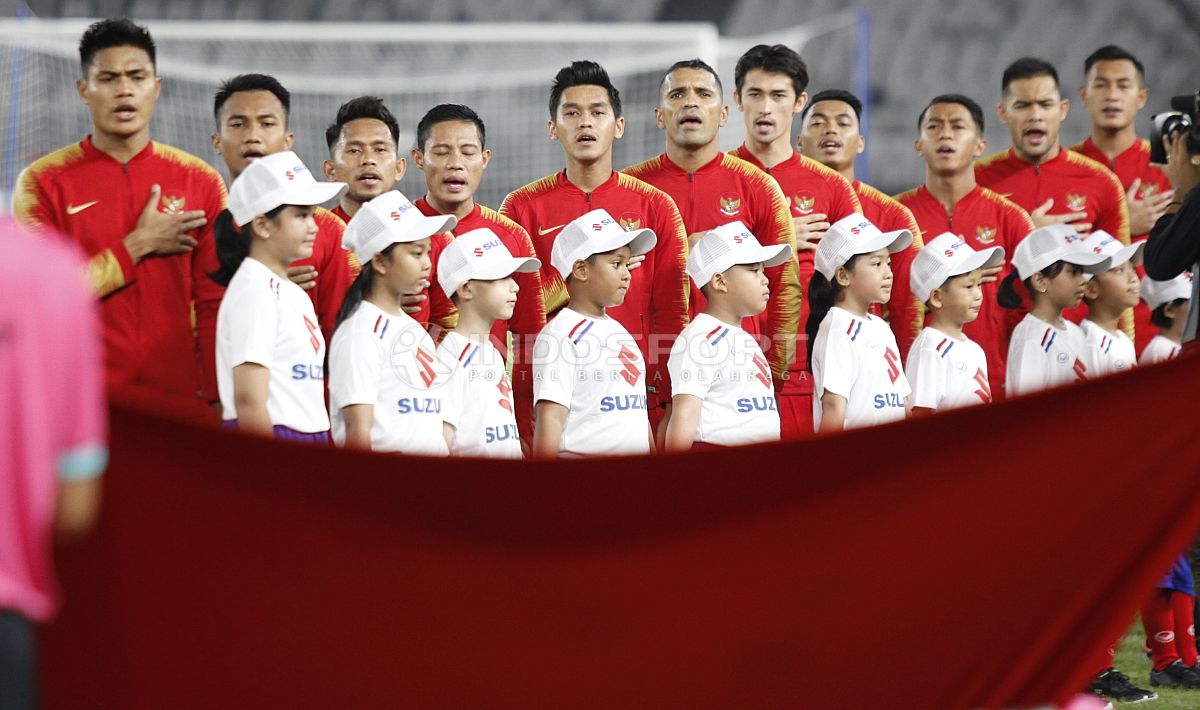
[274, 180]
[729, 245]
[596, 233]
[479, 254]
[1156, 293]
[389, 219]
[1056, 242]
[853, 235]
[945, 257]
[1103, 243]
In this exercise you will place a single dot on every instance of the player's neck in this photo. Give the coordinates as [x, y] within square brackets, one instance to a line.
[459, 209]
[692, 159]
[722, 310]
[1113, 141]
[941, 322]
[121, 148]
[1050, 155]
[381, 298]
[847, 171]
[472, 324]
[1044, 310]
[589, 176]
[349, 206]
[773, 153]
[848, 302]
[584, 304]
[1107, 318]
[949, 188]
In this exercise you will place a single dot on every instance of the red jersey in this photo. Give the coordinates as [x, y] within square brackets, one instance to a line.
[983, 220]
[437, 312]
[1133, 164]
[902, 311]
[810, 188]
[150, 338]
[529, 316]
[729, 189]
[656, 306]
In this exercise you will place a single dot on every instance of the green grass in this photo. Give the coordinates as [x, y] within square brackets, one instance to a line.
[1133, 663]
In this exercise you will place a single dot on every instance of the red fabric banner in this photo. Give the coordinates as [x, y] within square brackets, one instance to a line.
[975, 559]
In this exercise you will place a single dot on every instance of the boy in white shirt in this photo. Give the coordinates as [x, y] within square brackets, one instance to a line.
[945, 368]
[1107, 348]
[476, 272]
[589, 378]
[1169, 303]
[723, 395]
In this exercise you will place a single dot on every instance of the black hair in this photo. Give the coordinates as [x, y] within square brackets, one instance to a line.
[359, 288]
[233, 244]
[362, 107]
[1113, 53]
[836, 95]
[251, 82]
[1006, 294]
[114, 32]
[1159, 317]
[583, 72]
[1028, 68]
[449, 112]
[695, 64]
[774, 59]
[822, 295]
[965, 101]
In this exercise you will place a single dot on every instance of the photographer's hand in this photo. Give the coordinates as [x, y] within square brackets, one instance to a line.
[1182, 170]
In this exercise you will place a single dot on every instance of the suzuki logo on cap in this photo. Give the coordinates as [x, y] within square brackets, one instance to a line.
[596, 227]
[739, 238]
[291, 174]
[953, 248]
[479, 250]
[857, 229]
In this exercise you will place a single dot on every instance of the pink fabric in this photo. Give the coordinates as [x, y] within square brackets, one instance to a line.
[51, 404]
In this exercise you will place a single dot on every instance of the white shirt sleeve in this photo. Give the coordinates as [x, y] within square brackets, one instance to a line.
[553, 369]
[839, 363]
[688, 374]
[356, 361]
[1026, 368]
[926, 377]
[454, 397]
[252, 327]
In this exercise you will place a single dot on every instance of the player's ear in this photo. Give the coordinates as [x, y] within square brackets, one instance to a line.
[862, 145]
[718, 283]
[288, 139]
[379, 265]
[801, 102]
[418, 158]
[81, 89]
[579, 270]
[1091, 289]
[980, 146]
[258, 227]
[487, 156]
[1143, 94]
[1082, 92]
[936, 298]
[658, 117]
[842, 277]
[216, 143]
[1064, 107]
[724, 116]
[1002, 113]
[553, 130]
[464, 291]
[401, 166]
[327, 168]
[619, 129]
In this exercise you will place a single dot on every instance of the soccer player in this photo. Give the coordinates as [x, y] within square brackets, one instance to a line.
[950, 138]
[769, 84]
[585, 119]
[452, 153]
[1114, 90]
[252, 112]
[712, 188]
[1053, 184]
[143, 214]
[830, 135]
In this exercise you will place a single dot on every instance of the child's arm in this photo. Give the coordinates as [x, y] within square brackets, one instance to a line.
[833, 412]
[549, 418]
[251, 384]
[448, 434]
[359, 419]
[681, 428]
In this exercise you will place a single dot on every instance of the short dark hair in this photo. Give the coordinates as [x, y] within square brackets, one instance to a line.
[1113, 53]
[836, 95]
[775, 59]
[1028, 68]
[965, 101]
[251, 82]
[449, 112]
[695, 64]
[362, 107]
[114, 32]
[1159, 318]
[583, 72]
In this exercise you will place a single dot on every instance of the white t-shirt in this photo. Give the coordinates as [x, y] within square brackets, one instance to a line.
[858, 359]
[389, 361]
[270, 321]
[478, 401]
[1042, 356]
[946, 372]
[1159, 349]
[723, 366]
[1106, 353]
[593, 367]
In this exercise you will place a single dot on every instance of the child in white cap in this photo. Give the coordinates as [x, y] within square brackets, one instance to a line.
[476, 272]
[1107, 349]
[945, 368]
[270, 351]
[723, 392]
[1168, 302]
[589, 378]
[385, 386]
[858, 378]
[1046, 350]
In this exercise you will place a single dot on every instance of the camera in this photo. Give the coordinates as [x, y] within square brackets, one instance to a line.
[1181, 120]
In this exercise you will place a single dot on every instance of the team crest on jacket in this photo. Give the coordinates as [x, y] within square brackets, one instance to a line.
[630, 221]
[1148, 190]
[172, 202]
[802, 203]
[731, 204]
[1076, 203]
[985, 234]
